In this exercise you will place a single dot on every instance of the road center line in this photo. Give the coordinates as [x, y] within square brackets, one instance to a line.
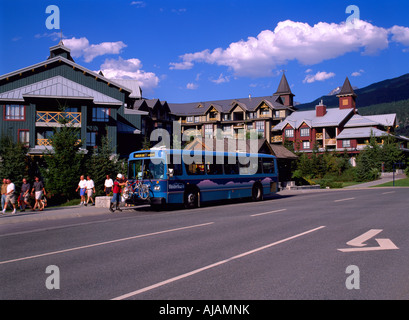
[105, 243]
[344, 199]
[263, 213]
[188, 274]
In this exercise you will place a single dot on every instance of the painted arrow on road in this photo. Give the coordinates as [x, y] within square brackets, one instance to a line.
[359, 243]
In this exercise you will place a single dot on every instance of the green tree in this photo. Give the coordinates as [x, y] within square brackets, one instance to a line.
[102, 162]
[64, 163]
[13, 160]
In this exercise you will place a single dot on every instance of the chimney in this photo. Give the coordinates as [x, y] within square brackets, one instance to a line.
[320, 110]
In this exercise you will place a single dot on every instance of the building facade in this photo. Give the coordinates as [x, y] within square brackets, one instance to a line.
[35, 99]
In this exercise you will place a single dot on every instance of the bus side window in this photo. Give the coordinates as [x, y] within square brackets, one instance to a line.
[268, 165]
[230, 168]
[196, 168]
[177, 169]
[214, 168]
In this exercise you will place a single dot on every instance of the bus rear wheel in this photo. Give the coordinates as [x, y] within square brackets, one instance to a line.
[257, 192]
[191, 199]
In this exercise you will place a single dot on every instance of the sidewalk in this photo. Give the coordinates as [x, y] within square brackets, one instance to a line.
[377, 182]
[51, 213]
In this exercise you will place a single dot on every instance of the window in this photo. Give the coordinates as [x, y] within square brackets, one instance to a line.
[91, 139]
[226, 116]
[305, 132]
[189, 119]
[14, 112]
[196, 168]
[24, 137]
[209, 131]
[277, 114]
[214, 167]
[346, 143]
[289, 133]
[231, 168]
[100, 114]
[260, 127]
[306, 145]
[264, 112]
[198, 119]
[268, 165]
[251, 115]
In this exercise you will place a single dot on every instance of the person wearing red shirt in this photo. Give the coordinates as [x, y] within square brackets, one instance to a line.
[116, 190]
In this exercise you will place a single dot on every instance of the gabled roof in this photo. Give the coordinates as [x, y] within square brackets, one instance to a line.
[57, 87]
[333, 118]
[385, 120]
[61, 59]
[133, 85]
[364, 132]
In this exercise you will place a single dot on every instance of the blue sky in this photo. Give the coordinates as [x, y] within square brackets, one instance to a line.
[196, 50]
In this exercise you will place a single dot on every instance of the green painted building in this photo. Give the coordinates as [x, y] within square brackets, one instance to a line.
[35, 98]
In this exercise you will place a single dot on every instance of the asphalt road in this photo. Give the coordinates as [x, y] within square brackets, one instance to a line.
[282, 248]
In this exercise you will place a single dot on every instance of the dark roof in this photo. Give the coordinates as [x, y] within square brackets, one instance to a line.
[347, 89]
[283, 87]
[225, 106]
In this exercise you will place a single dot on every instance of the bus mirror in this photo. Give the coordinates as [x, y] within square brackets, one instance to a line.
[170, 172]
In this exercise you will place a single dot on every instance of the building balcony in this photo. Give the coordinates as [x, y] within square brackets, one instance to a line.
[47, 142]
[276, 139]
[54, 119]
[318, 136]
[330, 142]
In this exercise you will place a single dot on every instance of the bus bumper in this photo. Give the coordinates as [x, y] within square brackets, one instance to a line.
[157, 201]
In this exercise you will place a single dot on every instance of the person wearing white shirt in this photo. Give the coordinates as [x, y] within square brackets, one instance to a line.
[90, 189]
[10, 196]
[108, 185]
[82, 186]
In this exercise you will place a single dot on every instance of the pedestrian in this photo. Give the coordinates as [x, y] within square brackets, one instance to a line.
[82, 186]
[90, 189]
[38, 191]
[10, 196]
[108, 185]
[3, 193]
[25, 195]
[117, 193]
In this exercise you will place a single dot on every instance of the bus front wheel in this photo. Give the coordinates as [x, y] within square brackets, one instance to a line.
[257, 192]
[191, 199]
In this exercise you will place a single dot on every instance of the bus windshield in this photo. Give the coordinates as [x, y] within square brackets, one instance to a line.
[146, 169]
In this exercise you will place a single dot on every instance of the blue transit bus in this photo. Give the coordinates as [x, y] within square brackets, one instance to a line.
[163, 176]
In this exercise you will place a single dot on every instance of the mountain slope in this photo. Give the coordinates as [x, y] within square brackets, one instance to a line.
[386, 91]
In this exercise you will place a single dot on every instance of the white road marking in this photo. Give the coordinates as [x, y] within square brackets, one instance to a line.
[384, 244]
[263, 213]
[388, 192]
[347, 199]
[188, 274]
[105, 243]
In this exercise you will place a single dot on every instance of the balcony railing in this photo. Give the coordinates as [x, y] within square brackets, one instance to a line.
[47, 142]
[329, 142]
[276, 139]
[318, 136]
[51, 118]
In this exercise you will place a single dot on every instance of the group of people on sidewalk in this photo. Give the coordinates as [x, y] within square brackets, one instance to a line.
[9, 195]
[87, 189]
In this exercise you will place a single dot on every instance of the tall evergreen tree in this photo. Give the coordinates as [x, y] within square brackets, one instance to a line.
[13, 160]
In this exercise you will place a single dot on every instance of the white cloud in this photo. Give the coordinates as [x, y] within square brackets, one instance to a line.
[309, 45]
[221, 79]
[308, 71]
[357, 73]
[400, 34]
[82, 48]
[129, 69]
[192, 86]
[319, 76]
[138, 4]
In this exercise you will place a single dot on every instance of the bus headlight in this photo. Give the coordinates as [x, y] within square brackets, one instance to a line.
[156, 188]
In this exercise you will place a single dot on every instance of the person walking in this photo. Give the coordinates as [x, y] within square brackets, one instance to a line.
[90, 189]
[117, 188]
[3, 193]
[10, 196]
[25, 195]
[82, 186]
[108, 185]
[38, 190]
